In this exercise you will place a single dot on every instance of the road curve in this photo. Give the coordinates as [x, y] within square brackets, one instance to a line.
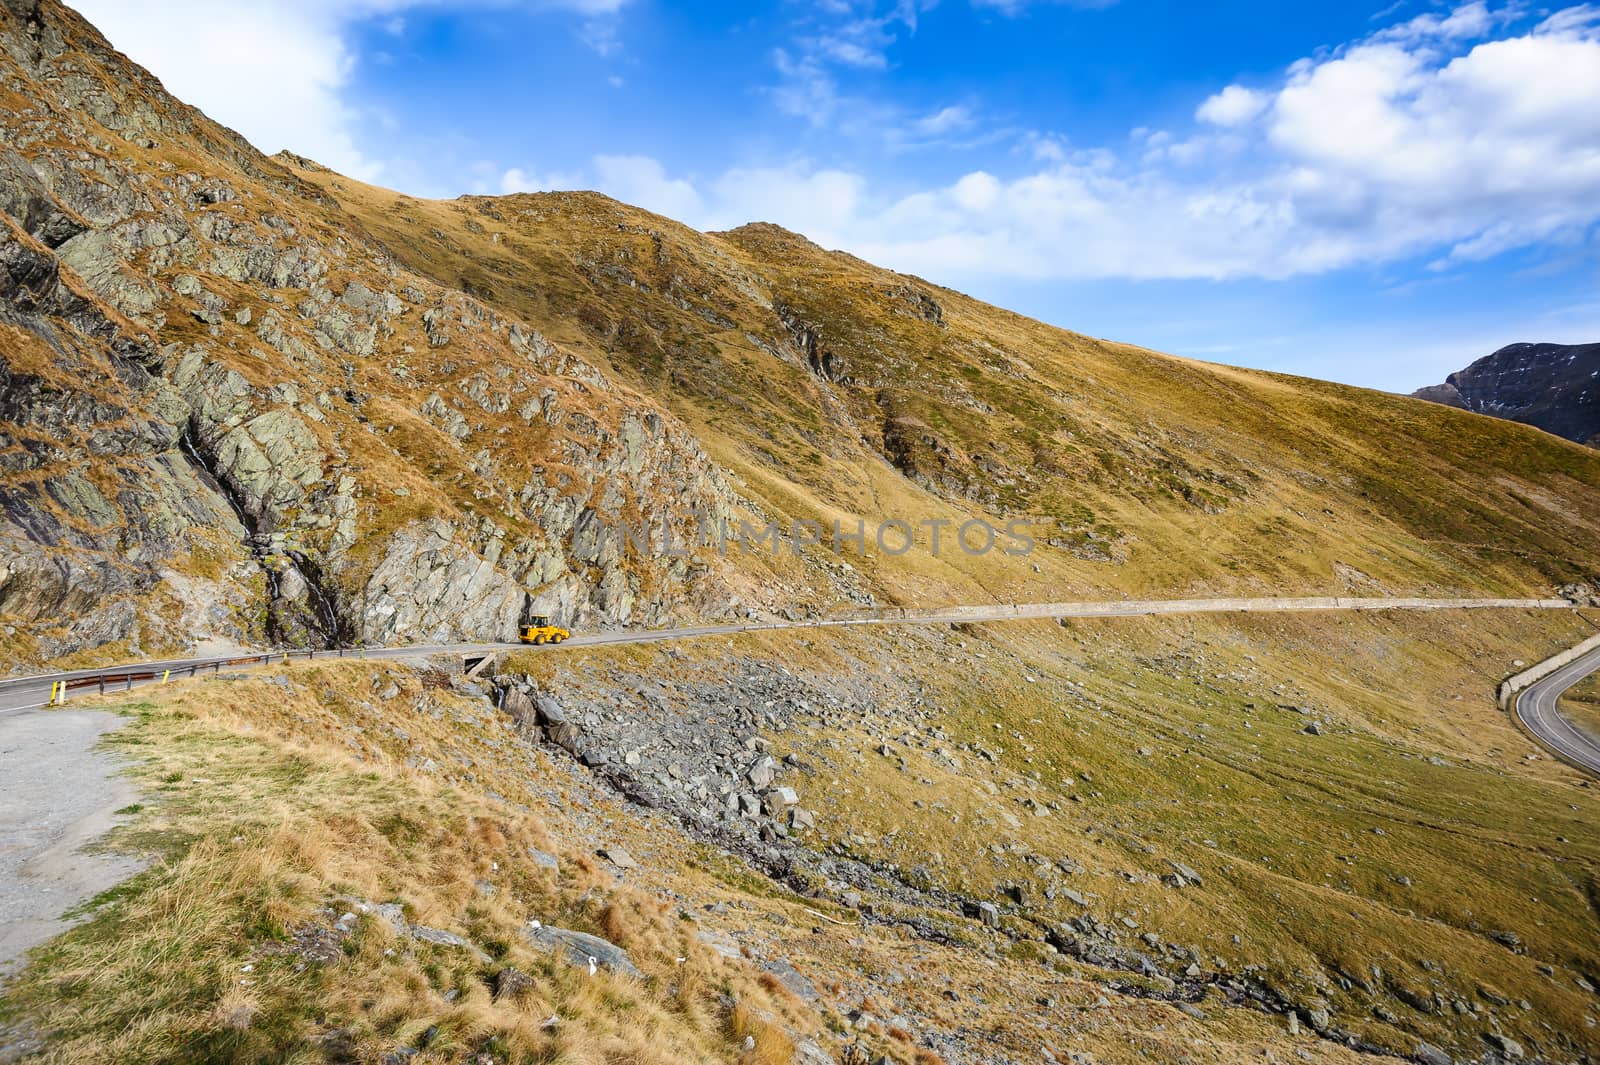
[1536, 707]
[23, 693]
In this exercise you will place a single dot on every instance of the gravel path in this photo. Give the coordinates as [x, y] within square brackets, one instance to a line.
[57, 793]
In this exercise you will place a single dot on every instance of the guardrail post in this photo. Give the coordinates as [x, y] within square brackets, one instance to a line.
[102, 684]
[130, 680]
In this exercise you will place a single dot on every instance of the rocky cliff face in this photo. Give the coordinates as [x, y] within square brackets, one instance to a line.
[216, 393]
[1553, 386]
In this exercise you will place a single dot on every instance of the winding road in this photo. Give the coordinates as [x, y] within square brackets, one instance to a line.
[23, 693]
[1536, 707]
[61, 790]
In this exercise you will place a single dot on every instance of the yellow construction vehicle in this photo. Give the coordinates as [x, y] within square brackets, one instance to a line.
[540, 631]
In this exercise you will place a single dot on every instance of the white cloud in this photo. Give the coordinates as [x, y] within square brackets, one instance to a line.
[1013, 8]
[1421, 140]
[643, 181]
[945, 120]
[518, 180]
[274, 69]
[1233, 106]
[1464, 23]
[269, 70]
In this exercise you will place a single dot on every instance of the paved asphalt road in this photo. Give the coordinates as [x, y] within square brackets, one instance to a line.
[61, 791]
[27, 692]
[1535, 706]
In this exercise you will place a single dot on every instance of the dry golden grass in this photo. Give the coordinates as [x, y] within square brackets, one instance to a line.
[265, 803]
[1199, 478]
[1301, 840]
[261, 817]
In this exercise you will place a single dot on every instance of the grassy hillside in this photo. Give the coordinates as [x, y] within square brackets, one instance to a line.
[1408, 871]
[249, 400]
[836, 389]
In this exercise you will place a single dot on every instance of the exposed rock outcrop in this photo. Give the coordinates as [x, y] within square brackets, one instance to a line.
[204, 355]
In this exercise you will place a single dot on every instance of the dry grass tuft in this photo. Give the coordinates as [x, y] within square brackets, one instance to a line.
[765, 1041]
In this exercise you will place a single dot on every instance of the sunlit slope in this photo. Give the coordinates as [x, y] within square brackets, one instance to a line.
[837, 389]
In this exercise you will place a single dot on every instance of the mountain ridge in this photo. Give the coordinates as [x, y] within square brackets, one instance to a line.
[1555, 387]
[370, 416]
[253, 401]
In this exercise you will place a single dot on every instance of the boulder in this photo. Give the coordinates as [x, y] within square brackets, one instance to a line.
[579, 947]
[762, 771]
[511, 983]
[1508, 1047]
[791, 978]
[518, 707]
[618, 857]
[549, 711]
[808, 1052]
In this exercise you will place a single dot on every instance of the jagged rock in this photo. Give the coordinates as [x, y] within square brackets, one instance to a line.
[808, 1052]
[1428, 1054]
[579, 947]
[25, 198]
[1508, 1047]
[618, 857]
[762, 771]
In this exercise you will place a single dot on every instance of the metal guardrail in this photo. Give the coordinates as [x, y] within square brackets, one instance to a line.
[123, 677]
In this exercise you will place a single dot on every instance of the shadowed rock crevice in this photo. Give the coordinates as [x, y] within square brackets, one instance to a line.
[301, 609]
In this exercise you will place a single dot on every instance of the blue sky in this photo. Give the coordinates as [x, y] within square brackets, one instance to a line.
[1371, 194]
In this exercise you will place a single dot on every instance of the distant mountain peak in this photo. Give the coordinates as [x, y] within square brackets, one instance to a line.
[1555, 387]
